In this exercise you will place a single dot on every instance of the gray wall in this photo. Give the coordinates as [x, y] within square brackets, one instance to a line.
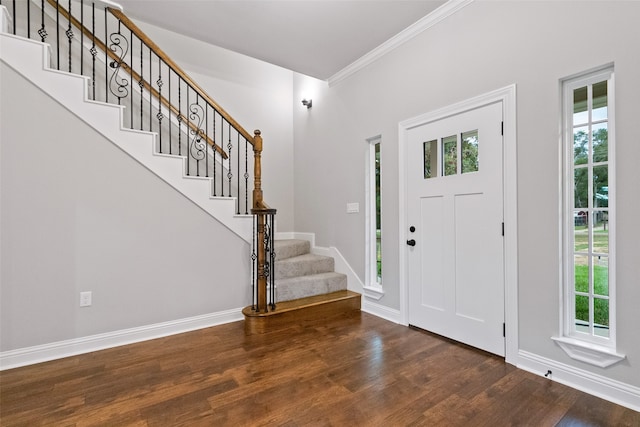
[486, 46]
[256, 94]
[78, 214]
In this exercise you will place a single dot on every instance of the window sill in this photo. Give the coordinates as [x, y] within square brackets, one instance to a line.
[373, 292]
[592, 354]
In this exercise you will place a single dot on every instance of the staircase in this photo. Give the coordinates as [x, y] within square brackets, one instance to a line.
[306, 286]
[301, 274]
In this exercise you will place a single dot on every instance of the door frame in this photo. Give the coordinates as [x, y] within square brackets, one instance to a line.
[507, 96]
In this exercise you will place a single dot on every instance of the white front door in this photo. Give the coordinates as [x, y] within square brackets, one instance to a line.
[455, 209]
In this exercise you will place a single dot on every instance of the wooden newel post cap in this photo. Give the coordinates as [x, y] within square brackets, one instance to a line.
[257, 132]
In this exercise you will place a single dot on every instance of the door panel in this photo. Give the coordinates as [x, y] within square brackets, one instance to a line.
[455, 270]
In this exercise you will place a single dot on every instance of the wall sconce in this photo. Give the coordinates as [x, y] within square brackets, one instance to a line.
[307, 103]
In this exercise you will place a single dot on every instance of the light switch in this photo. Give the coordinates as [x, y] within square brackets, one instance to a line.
[353, 207]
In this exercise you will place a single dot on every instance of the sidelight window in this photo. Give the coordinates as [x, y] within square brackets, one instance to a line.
[589, 210]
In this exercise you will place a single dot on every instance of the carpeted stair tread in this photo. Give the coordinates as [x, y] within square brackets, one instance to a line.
[303, 265]
[305, 286]
[289, 248]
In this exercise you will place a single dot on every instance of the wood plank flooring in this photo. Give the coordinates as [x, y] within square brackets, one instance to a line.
[358, 370]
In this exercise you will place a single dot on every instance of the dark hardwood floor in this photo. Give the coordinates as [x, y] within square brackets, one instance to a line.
[352, 371]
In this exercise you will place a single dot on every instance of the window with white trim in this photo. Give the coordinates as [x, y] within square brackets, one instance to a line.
[373, 285]
[589, 214]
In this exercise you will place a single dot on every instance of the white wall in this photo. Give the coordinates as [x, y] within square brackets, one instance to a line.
[485, 46]
[256, 94]
[78, 214]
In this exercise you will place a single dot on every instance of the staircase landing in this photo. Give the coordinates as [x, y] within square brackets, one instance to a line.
[301, 311]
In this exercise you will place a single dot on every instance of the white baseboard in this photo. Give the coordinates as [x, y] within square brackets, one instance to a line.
[58, 350]
[384, 312]
[612, 390]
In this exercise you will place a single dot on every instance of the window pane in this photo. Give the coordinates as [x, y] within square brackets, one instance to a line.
[580, 188]
[601, 316]
[470, 151]
[580, 113]
[601, 275]
[430, 158]
[581, 277]
[600, 142]
[450, 155]
[580, 232]
[600, 186]
[580, 145]
[582, 308]
[601, 232]
[599, 101]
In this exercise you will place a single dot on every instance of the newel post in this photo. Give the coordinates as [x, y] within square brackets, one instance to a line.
[264, 251]
[257, 170]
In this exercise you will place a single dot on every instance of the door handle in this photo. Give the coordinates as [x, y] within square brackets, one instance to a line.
[411, 242]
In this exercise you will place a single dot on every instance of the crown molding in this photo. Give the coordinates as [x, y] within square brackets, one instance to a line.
[444, 11]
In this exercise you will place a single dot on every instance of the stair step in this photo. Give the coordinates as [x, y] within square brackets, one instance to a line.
[303, 265]
[289, 248]
[306, 286]
[300, 311]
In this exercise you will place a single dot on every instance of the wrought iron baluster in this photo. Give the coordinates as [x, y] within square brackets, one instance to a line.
[131, 125]
[222, 158]
[206, 133]
[141, 84]
[169, 121]
[120, 46]
[229, 172]
[106, 61]
[160, 116]
[58, 34]
[238, 173]
[69, 34]
[215, 190]
[28, 19]
[246, 177]
[269, 237]
[42, 32]
[188, 129]
[93, 49]
[179, 118]
[14, 17]
[81, 37]
[150, 94]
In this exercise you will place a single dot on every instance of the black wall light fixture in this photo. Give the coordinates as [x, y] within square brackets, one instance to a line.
[307, 103]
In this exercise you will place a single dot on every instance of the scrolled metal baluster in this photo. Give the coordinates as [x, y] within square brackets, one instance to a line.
[197, 146]
[81, 37]
[93, 49]
[160, 116]
[179, 119]
[69, 34]
[42, 32]
[120, 46]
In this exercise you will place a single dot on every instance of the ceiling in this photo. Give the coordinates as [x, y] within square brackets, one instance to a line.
[313, 37]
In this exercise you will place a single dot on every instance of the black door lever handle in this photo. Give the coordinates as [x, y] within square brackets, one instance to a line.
[411, 242]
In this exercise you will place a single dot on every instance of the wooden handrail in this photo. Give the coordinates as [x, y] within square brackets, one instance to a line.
[165, 58]
[133, 74]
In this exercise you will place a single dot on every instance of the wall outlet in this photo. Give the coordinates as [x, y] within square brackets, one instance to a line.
[85, 299]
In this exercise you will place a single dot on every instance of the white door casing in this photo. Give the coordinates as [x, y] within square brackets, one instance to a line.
[506, 97]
